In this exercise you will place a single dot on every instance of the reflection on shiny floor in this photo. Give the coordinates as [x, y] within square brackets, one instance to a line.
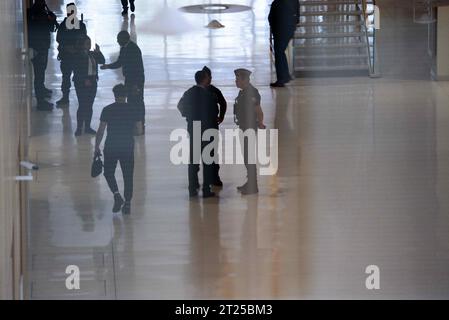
[363, 180]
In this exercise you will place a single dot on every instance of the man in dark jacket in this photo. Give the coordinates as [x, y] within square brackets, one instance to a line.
[86, 78]
[283, 18]
[131, 62]
[41, 22]
[68, 52]
[220, 112]
[197, 106]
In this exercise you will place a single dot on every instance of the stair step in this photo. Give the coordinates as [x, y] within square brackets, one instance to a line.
[332, 68]
[329, 35]
[331, 13]
[332, 56]
[328, 3]
[330, 24]
[331, 46]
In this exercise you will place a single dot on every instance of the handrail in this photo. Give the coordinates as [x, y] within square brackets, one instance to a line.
[371, 56]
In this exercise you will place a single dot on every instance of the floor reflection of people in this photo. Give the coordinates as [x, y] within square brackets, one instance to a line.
[129, 25]
[205, 248]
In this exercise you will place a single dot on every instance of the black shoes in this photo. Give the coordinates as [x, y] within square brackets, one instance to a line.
[247, 190]
[118, 203]
[44, 106]
[90, 131]
[277, 84]
[208, 194]
[78, 132]
[132, 7]
[63, 102]
[126, 208]
[218, 183]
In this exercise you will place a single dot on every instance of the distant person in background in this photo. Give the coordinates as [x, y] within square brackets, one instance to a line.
[125, 6]
[86, 78]
[131, 62]
[220, 111]
[122, 123]
[41, 22]
[68, 51]
[283, 19]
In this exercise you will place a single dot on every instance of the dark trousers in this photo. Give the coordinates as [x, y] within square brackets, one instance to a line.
[126, 159]
[195, 168]
[86, 97]
[40, 61]
[125, 3]
[281, 63]
[136, 97]
[67, 67]
[215, 165]
[251, 168]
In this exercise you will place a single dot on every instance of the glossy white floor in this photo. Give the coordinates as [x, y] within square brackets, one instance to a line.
[363, 177]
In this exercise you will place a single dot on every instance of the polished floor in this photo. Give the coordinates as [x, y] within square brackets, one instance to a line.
[363, 177]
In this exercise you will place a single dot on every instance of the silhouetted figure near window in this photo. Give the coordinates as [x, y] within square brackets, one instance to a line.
[86, 79]
[199, 105]
[68, 40]
[283, 19]
[125, 6]
[131, 62]
[220, 112]
[248, 116]
[41, 22]
[122, 123]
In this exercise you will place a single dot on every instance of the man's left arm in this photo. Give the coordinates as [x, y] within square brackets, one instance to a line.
[99, 137]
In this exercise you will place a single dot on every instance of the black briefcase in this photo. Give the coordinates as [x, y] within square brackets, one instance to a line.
[97, 166]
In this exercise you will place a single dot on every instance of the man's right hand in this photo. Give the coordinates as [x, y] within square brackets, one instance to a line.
[104, 67]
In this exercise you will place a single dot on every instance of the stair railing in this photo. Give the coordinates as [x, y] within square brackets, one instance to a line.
[370, 33]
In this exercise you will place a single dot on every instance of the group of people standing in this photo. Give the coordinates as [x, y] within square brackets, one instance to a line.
[125, 118]
[204, 103]
[80, 64]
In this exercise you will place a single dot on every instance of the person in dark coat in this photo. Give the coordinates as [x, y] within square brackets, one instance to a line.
[68, 51]
[220, 111]
[197, 106]
[125, 6]
[85, 79]
[131, 62]
[41, 22]
[283, 19]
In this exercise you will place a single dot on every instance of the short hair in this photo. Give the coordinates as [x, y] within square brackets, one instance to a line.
[120, 91]
[124, 35]
[70, 4]
[208, 71]
[200, 76]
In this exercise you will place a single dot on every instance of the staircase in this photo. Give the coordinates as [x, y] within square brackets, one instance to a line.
[332, 38]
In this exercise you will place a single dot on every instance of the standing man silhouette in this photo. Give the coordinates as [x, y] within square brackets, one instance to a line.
[41, 22]
[69, 51]
[220, 111]
[283, 19]
[131, 62]
[249, 117]
[197, 106]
